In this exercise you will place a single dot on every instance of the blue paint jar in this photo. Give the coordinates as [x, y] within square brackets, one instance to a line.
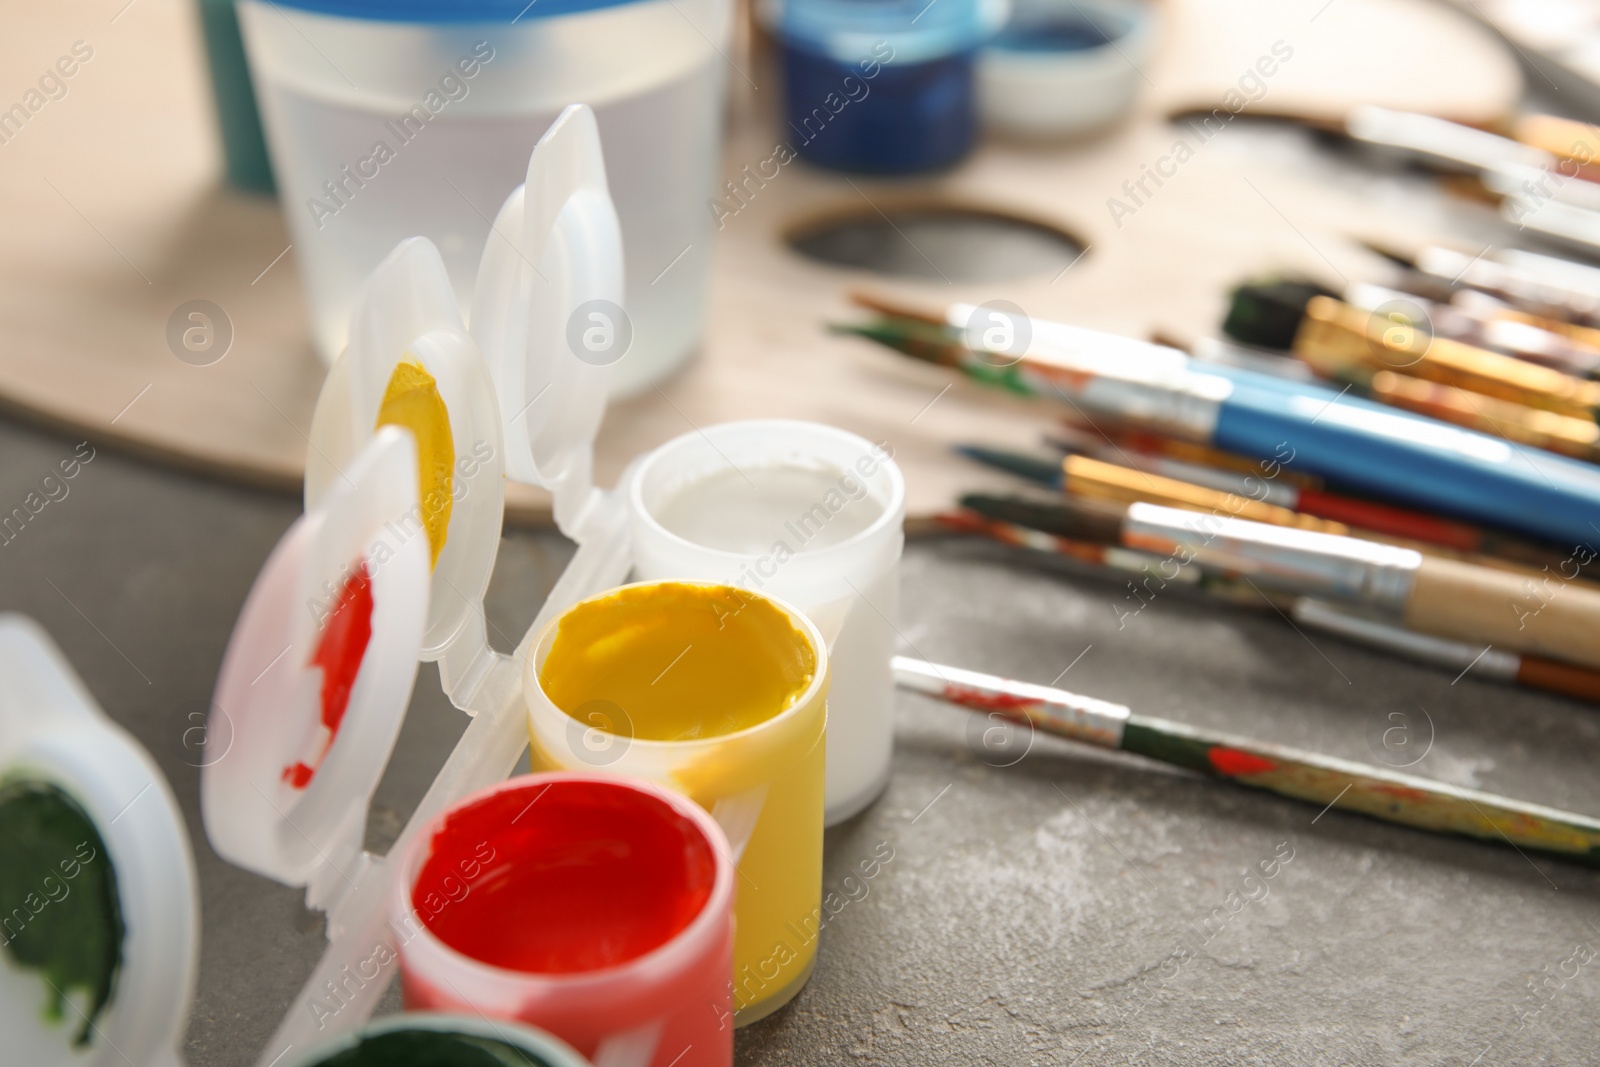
[881, 86]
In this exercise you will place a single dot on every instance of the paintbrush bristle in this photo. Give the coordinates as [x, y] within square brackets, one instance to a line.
[1043, 470]
[1081, 520]
[894, 309]
[1268, 314]
[909, 337]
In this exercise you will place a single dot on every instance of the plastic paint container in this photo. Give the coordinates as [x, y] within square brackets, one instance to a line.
[99, 917]
[812, 515]
[390, 119]
[596, 907]
[404, 491]
[411, 364]
[881, 86]
[316, 679]
[720, 694]
[1063, 69]
[431, 1040]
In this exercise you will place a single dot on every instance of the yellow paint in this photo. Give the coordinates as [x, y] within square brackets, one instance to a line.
[682, 661]
[707, 672]
[411, 400]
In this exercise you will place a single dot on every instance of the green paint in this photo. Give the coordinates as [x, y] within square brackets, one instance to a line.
[60, 913]
[944, 346]
[432, 1048]
[1008, 377]
[1157, 740]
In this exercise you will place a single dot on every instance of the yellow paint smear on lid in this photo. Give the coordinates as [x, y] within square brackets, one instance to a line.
[671, 661]
[411, 400]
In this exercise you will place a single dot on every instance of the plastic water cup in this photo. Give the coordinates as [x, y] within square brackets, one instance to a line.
[390, 119]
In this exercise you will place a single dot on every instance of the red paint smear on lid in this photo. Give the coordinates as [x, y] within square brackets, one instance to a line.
[339, 653]
[1236, 764]
[563, 877]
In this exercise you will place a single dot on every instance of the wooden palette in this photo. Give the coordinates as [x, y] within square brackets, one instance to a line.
[115, 216]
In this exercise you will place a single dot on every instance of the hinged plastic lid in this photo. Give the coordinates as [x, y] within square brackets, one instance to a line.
[410, 362]
[54, 734]
[547, 313]
[317, 677]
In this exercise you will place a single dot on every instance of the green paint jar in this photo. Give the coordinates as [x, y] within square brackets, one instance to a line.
[99, 920]
[428, 1040]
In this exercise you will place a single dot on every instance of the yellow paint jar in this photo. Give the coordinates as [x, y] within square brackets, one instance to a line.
[720, 694]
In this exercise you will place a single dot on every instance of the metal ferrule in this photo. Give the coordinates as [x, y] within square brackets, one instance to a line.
[1346, 569]
[1439, 651]
[1133, 381]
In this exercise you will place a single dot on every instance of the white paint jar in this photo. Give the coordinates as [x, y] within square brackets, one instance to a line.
[809, 514]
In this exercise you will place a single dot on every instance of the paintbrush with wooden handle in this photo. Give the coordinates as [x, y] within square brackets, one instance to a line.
[1326, 781]
[1556, 616]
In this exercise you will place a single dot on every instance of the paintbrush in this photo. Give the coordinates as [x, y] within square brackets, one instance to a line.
[1533, 188]
[1332, 335]
[1325, 781]
[1277, 502]
[1074, 437]
[1563, 138]
[1557, 616]
[1457, 656]
[1564, 434]
[1109, 558]
[1267, 314]
[1365, 446]
[1083, 477]
[1345, 514]
[1274, 312]
[1547, 286]
[1495, 664]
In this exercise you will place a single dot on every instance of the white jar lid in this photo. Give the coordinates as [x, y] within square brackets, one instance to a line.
[289, 798]
[547, 313]
[52, 731]
[283, 792]
[406, 312]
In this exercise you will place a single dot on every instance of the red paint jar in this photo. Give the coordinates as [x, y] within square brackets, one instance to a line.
[596, 907]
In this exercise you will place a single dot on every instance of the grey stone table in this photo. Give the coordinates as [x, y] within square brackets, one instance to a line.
[1048, 904]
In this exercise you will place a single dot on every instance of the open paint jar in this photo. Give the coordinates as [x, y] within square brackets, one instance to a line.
[390, 119]
[404, 494]
[596, 907]
[720, 694]
[812, 515]
[881, 86]
[430, 1040]
[99, 919]
[1061, 69]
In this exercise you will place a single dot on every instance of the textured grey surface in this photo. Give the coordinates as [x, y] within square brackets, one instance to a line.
[1061, 909]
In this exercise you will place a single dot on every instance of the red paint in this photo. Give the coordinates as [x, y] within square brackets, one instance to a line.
[1237, 764]
[563, 877]
[339, 653]
[1401, 792]
[988, 700]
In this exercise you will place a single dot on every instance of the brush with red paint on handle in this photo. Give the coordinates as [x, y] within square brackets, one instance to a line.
[1325, 781]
